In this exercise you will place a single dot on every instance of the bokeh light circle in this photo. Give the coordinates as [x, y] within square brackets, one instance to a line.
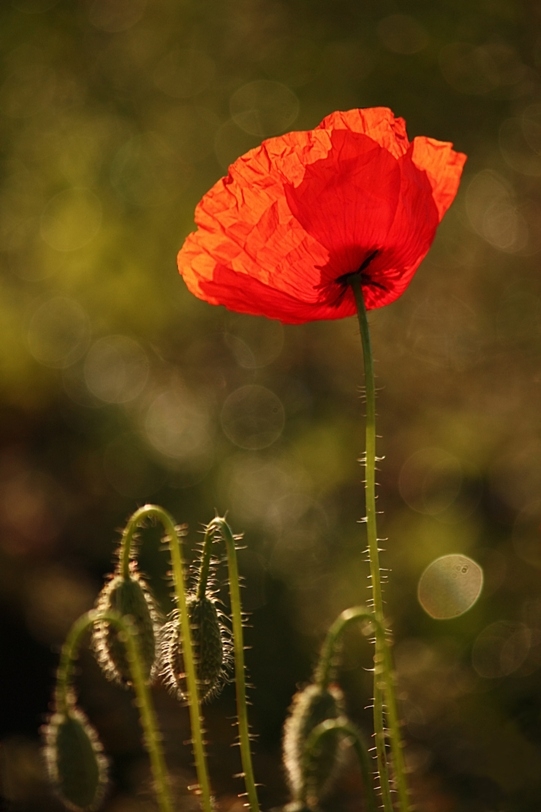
[496, 215]
[27, 91]
[71, 219]
[59, 332]
[116, 369]
[450, 586]
[231, 142]
[182, 74]
[469, 69]
[146, 171]
[430, 480]
[520, 141]
[252, 417]
[500, 649]
[114, 16]
[177, 425]
[264, 107]
[254, 343]
[33, 6]
[402, 34]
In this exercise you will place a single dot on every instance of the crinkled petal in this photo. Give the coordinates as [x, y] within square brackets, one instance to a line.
[377, 122]
[277, 236]
[369, 203]
[254, 297]
[408, 240]
[443, 167]
[347, 200]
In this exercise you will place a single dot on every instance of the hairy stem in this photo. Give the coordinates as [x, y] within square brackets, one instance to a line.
[329, 728]
[385, 708]
[177, 563]
[142, 693]
[329, 652]
[68, 657]
[206, 557]
[220, 527]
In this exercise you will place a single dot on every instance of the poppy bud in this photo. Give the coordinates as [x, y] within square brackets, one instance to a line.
[311, 773]
[75, 761]
[211, 648]
[130, 597]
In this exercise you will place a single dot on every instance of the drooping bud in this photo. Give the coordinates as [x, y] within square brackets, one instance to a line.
[129, 597]
[75, 761]
[211, 648]
[311, 772]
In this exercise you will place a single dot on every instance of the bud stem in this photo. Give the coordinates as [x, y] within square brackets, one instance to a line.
[175, 549]
[384, 691]
[328, 728]
[327, 659]
[144, 702]
[219, 527]
[206, 557]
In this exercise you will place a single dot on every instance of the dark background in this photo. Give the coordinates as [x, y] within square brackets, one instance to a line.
[118, 387]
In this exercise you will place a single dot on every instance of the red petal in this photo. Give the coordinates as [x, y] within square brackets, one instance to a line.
[245, 224]
[408, 239]
[304, 209]
[377, 122]
[443, 167]
[348, 200]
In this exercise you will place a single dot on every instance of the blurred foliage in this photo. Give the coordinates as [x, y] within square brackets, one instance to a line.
[118, 387]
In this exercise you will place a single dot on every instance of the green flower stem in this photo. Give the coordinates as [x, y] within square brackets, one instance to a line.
[68, 656]
[329, 652]
[204, 570]
[144, 703]
[135, 522]
[175, 549]
[328, 728]
[220, 527]
[143, 698]
[384, 691]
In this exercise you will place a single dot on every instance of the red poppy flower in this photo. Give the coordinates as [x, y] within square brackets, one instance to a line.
[296, 216]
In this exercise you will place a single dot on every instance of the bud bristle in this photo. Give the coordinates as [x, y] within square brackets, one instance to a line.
[311, 776]
[129, 597]
[75, 760]
[211, 648]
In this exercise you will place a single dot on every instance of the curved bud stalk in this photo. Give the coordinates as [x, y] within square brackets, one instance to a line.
[74, 757]
[172, 539]
[129, 596]
[343, 727]
[72, 751]
[312, 771]
[317, 729]
[330, 651]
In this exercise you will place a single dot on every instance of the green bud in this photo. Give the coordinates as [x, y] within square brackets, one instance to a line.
[75, 761]
[211, 648]
[311, 773]
[129, 597]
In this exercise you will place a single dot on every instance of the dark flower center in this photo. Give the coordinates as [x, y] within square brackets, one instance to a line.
[345, 279]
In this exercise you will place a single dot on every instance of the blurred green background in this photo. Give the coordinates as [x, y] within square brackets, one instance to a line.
[118, 387]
